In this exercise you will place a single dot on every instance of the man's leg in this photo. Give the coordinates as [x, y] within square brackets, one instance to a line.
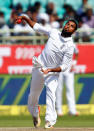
[36, 88]
[59, 95]
[51, 85]
[70, 94]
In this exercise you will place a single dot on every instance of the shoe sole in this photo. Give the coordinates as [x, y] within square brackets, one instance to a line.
[49, 127]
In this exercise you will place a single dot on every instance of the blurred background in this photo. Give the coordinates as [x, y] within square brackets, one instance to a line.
[19, 43]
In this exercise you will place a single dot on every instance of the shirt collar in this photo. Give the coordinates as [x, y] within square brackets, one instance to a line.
[66, 39]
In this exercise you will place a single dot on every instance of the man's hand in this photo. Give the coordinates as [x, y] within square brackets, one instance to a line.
[28, 20]
[58, 69]
[18, 18]
[46, 71]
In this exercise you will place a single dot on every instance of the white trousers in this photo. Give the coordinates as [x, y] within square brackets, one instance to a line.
[37, 83]
[68, 80]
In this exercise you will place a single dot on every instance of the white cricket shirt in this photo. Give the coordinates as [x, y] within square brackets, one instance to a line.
[58, 51]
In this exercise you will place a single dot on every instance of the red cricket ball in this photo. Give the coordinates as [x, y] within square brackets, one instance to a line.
[19, 21]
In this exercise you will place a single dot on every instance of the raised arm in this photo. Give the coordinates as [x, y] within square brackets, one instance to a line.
[29, 21]
[37, 27]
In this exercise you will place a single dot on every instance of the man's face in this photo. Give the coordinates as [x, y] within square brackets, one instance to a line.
[70, 27]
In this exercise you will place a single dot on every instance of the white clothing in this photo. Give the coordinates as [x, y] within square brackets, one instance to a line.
[18, 28]
[43, 16]
[38, 79]
[58, 50]
[68, 79]
[6, 33]
[55, 24]
[57, 53]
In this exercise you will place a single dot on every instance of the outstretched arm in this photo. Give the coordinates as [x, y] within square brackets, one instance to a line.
[37, 27]
[29, 21]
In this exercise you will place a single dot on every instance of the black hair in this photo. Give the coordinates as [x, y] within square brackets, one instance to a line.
[67, 19]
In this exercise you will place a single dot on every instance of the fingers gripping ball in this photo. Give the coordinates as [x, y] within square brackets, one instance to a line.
[19, 21]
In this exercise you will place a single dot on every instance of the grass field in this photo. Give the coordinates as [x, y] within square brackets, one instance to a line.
[65, 121]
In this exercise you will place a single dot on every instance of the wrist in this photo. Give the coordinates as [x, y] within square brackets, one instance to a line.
[24, 17]
[49, 70]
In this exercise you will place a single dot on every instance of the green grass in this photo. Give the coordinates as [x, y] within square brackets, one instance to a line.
[65, 121]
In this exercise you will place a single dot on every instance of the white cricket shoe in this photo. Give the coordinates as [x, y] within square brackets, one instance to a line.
[48, 125]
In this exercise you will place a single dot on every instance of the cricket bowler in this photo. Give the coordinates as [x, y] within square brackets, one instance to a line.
[55, 58]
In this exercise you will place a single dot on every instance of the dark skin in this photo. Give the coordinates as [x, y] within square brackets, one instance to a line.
[67, 31]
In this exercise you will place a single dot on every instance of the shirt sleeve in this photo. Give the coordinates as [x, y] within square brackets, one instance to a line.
[41, 29]
[67, 59]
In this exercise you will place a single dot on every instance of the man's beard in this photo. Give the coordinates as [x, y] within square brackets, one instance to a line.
[66, 34]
